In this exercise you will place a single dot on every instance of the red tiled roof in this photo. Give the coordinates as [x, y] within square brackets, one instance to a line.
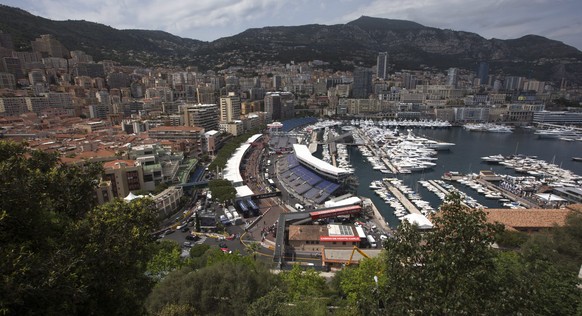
[528, 218]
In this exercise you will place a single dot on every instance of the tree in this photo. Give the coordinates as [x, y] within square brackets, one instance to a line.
[224, 287]
[359, 284]
[166, 259]
[115, 242]
[222, 190]
[272, 304]
[61, 255]
[562, 245]
[443, 271]
[301, 284]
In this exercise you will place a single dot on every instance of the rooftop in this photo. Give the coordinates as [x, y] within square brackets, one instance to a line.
[528, 218]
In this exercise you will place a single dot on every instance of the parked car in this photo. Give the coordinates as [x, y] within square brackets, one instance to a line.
[184, 229]
[187, 244]
[192, 237]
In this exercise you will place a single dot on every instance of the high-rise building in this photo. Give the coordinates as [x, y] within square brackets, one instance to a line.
[229, 108]
[125, 176]
[452, 77]
[362, 85]
[382, 65]
[49, 46]
[483, 73]
[202, 115]
[7, 81]
[279, 105]
[513, 83]
[276, 82]
[13, 66]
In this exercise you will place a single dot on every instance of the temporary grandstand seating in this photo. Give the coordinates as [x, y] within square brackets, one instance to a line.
[304, 181]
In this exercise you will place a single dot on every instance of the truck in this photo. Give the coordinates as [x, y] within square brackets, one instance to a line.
[372, 241]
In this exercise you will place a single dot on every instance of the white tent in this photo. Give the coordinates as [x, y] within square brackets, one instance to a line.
[548, 197]
[130, 197]
[418, 219]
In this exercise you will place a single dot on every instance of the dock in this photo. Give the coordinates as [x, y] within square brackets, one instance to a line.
[313, 143]
[389, 165]
[508, 194]
[378, 218]
[443, 190]
[403, 199]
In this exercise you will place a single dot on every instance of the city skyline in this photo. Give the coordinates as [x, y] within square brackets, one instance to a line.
[210, 20]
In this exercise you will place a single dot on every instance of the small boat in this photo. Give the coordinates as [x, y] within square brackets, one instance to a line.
[577, 158]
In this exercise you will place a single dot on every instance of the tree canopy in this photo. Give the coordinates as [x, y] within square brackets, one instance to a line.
[453, 269]
[222, 190]
[62, 255]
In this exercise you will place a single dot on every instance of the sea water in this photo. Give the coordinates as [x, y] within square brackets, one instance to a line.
[465, 157]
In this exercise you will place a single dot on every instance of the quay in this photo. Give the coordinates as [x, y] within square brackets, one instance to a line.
[313, 143]
[443, 190]
[377, 217]
[508, 194]
[389, 165]
[403, 199]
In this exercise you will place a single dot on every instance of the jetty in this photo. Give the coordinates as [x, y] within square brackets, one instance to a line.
[389, 165]
[509, 195]
[403, 199]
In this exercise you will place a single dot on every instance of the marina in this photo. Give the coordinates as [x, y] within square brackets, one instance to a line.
[383, 149]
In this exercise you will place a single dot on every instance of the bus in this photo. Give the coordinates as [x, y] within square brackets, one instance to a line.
[243, 208]
[254, 207]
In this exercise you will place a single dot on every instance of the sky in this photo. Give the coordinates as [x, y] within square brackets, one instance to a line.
[208, 20]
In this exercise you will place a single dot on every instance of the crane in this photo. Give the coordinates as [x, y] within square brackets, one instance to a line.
[359, 251]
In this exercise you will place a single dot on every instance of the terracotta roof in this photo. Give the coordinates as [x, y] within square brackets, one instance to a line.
[116, 164]
[575, 207]
[177, 128]
[528, 218]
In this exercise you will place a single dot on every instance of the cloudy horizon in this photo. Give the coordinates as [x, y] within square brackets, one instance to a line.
[208, 20]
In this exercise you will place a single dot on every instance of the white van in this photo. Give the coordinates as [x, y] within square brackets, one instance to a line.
[372, 241]
[298, 206]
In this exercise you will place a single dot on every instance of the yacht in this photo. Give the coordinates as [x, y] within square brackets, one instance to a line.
[493, 158]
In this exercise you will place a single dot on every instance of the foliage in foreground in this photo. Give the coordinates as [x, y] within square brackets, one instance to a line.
[453, 270]
[61, 255]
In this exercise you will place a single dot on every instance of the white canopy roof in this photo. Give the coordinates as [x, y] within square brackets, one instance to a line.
[349, 201]
[304, 155]
[231, 171]
[418, 219]
[548, 197]
[243, 191]
[131, 197]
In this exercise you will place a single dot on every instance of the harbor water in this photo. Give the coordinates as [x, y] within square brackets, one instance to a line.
[465, 157]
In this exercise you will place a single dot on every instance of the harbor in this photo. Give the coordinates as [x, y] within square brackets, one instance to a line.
[495, 169]
[465, 158]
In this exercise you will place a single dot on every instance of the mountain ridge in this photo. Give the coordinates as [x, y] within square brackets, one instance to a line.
[410, 46]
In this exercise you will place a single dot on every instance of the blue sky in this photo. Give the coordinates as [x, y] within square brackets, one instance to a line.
[208, 20]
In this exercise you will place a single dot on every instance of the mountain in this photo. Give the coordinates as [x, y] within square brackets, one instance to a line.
[101, 41]
[357, 43]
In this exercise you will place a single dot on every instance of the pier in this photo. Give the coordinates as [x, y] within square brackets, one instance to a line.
[508, 194]
[389, 165]
[403, 199]
[378, 218]
[313, 143]
[445, 191]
